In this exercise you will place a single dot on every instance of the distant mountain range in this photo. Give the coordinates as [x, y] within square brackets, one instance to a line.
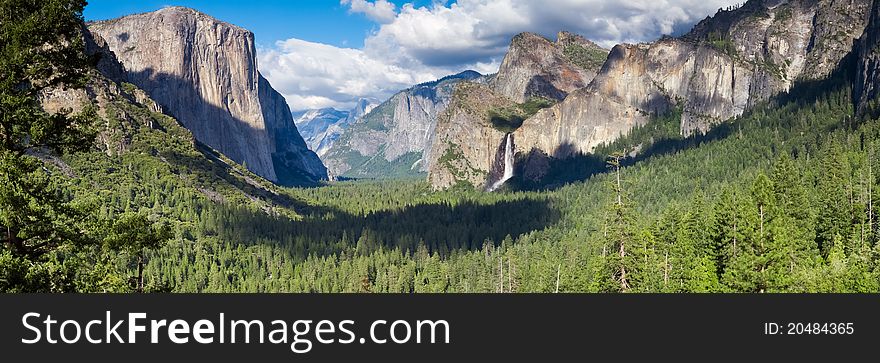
[321, 128]
[392, 140]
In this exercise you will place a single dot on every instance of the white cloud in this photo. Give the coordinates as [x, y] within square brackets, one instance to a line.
[380, 11]
[472, 30]
[314, 75]
[418, 44]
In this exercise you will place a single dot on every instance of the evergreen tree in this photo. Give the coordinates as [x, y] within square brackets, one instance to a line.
[834, 218]
[136, 234]
[730, 228]
[41, 48]
[620, 230]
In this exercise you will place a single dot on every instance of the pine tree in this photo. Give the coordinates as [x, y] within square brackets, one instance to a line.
[834, 216]
[729, 229]
[620, 229]
[41, 48]
[136, 234]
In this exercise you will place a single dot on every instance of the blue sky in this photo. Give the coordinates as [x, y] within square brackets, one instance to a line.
[331, 53]
[322, 21]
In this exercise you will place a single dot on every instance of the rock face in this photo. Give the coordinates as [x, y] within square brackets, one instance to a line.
[504, 165]
[204, 73]
[393, 138]
[867, 84]
[536, 67]
[467, 140]
[102, 90]
[321, 128]
[725, 65]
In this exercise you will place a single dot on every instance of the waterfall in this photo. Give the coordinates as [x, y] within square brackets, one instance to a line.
[506, 164]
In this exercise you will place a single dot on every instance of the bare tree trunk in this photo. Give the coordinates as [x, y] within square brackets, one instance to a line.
[501, 269]
[140, 278]
[624, 284]
[509, 276]
[763, 278]
[617, 171]
[558, 269]
[870, 191]
[666, 269]
[605, 226]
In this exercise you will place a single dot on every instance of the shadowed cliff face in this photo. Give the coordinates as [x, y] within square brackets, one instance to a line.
[204, 73]
[867, 83]
[725, 65]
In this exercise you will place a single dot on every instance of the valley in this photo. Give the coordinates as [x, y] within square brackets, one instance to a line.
[737, 157]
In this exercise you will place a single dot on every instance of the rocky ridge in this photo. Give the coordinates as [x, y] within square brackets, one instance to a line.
[728, 63]
[321, 128]
[394, 137]
[536, 72]
[537, 67]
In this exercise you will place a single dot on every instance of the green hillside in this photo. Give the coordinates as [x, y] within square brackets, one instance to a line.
[120, 198]
[691, 221]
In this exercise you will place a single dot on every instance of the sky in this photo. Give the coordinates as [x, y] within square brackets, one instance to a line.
[331, 53]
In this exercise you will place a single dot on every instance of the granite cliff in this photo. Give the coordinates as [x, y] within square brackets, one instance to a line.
[204, 73]
[726, 64]
[536, 67]
[394, 138]
[535, 73]
[867, 82]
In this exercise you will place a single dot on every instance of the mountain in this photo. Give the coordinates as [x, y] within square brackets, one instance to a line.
[537, 67]
[394, 137]
[140, 150]
[727, 64]
[321, 128]
[776, 200]
[535, 73]
[204, 73]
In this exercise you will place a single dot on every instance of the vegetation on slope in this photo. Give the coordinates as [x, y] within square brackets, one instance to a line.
[781, 199]
[583, 57]
[752, 208]
[508, 119]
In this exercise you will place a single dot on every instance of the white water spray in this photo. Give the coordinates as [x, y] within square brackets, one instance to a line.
[508, 164]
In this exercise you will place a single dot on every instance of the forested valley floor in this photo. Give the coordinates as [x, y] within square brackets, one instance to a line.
[781, 199]
[119, 198]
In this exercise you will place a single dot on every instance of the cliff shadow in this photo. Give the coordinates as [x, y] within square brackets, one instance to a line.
[567, 164]
[162, 86]
[212, 167]
[807, 91]
[439, 228]
[540, 85]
